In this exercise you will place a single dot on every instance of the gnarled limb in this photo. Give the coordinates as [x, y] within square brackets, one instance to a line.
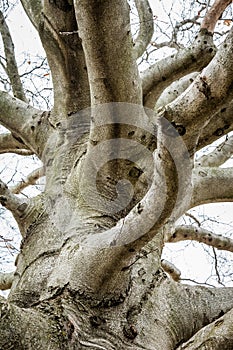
[9, 144]
[11, 64]
[58, 30]
[199, 234]
[212, 185]
[160, 75]
[146, 29]
[6, 280]
[192, 307]
[214, 336]
[218, 156]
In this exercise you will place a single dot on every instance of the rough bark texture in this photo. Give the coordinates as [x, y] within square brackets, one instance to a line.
[89, 272]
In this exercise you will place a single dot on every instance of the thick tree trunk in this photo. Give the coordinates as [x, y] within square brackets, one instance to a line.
[68, 294]
[89, 273]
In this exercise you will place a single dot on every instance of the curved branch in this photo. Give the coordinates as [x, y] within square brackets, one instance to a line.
[199, 234]
[146, 27]
[157, 77]
[214, 14]
[212, 185]
[206, 95]
[6, 280]
[28, 124]
[171, 269]
[220, 124]
[214, 336]
[30, 180]
[13, 203]
[218, 156]
[11, 64]
[160, 75]
[175, 89]
[9, 144]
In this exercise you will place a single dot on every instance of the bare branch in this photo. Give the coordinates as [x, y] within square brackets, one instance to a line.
[9, 200]
[28, 124]
[220, 124]
[6, 280]
[171, 269]
[216, 335]
[199, 234]
[157, 77]
[11, 64]
[175, 89]
[160, 75]
[30, 180]
[9, 144]
[212, 185]
[219, 156]
[214, 14]
[146, 27]
[205, 96]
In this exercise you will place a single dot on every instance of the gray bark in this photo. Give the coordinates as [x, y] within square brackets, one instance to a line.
[88, 275]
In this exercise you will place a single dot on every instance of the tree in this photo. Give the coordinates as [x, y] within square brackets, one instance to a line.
[119, 164]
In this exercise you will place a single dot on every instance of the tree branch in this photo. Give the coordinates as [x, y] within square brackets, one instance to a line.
[59, 34]
[212, 185]
[205, 96]
[108, 48]
[30, 180]
[218, 156]
[216, 335]
[13, 203]
[146, 27]
[175, 89]
[32, 325]
[9, 144]
[199, 234]
[160, 75]
[11, 64]
[171, 269]
[214, 14]
[6, 280]
[192, 307]
[157, 77]
[28, 124]
[33, 9]
[220, 124]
